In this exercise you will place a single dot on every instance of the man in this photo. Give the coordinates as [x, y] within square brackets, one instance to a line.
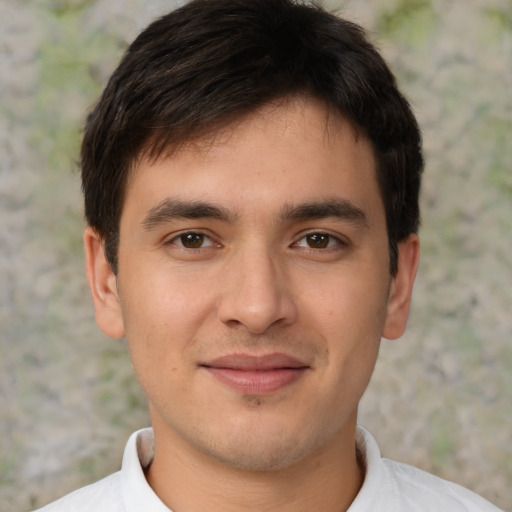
[251, 177]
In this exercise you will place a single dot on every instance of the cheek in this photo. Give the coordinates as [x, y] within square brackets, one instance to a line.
[352, 328]
[348, 306]
[350, 319]
[162, 316]
[158, 296]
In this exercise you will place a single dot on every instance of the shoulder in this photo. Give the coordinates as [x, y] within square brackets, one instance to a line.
[125, 489]
[102, 496]
[419, 490]
[396, 487]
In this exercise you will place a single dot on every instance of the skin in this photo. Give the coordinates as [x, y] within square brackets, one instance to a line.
[256, 273]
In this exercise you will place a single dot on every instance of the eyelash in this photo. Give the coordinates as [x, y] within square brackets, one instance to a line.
[333, 241]
[177, 240]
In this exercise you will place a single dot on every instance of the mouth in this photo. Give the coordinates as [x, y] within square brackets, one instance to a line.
[256, 375]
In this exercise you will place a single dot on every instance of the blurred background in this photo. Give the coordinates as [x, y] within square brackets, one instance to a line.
[440, 398]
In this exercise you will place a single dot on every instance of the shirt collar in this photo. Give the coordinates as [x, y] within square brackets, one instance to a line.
[137, 495]
[374, 479]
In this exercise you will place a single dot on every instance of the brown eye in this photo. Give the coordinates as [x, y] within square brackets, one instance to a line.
[318, 240]
[192, 240]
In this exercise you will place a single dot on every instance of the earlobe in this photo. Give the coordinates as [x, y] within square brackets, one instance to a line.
[102, 283]
[400, 294]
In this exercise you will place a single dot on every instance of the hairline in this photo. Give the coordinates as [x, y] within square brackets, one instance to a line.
[204, 138]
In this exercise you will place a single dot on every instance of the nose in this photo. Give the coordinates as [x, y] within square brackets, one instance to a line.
[256, 293]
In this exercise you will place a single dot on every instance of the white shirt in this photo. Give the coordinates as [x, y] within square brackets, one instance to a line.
[388, 486]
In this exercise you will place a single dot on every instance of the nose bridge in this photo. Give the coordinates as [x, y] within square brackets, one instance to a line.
[256, 294]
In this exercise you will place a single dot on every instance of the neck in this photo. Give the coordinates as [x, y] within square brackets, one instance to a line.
[187, 480]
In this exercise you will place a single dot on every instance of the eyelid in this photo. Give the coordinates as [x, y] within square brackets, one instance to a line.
[339, 240]
[171, 240]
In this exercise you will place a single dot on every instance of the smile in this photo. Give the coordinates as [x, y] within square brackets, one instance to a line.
[256, 375]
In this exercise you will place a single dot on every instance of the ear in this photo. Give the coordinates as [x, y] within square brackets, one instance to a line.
[103, 285]
[399, 301]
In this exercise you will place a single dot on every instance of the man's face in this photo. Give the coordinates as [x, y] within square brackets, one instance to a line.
[253, 287]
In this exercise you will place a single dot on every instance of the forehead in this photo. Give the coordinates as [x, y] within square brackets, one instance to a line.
[284, 153]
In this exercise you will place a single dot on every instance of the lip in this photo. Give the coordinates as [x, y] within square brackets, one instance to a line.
[256, 375]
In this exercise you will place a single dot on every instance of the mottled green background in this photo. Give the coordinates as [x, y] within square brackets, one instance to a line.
[441, 398]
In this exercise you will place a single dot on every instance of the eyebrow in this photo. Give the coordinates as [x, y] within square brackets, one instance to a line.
[170, 209]
[342, 209]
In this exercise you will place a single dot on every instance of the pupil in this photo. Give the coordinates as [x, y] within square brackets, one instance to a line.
[192, 240]
[318, 241]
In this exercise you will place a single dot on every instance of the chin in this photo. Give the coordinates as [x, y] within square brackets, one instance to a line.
[262, 457]
[260, 448]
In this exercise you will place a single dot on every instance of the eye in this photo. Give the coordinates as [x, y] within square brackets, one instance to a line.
[319, 241]
[192, 240]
